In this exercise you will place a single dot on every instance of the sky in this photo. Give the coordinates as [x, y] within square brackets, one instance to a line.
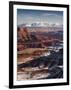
[42, 16]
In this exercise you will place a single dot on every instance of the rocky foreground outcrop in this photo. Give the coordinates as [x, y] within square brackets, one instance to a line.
[52, 64]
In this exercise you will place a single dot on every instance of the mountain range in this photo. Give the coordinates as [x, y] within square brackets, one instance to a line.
[40, 24]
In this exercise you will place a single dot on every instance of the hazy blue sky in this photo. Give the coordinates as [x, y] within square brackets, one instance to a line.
[33, 16]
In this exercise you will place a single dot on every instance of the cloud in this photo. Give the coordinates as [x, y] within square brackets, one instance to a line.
[48, 14]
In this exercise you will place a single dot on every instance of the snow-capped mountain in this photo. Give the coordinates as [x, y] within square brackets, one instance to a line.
[40, 24]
